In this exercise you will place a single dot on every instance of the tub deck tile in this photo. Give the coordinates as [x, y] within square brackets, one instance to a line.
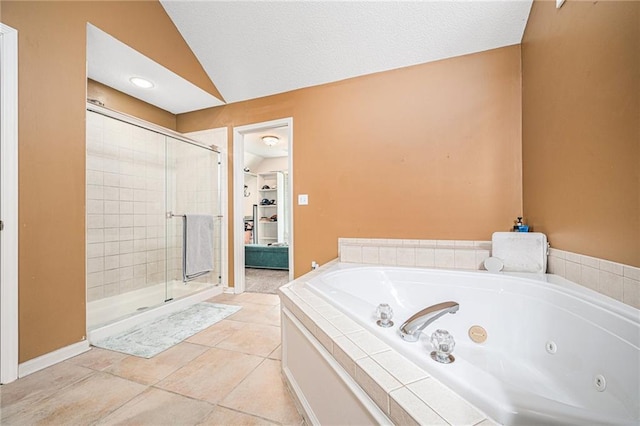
[309, 297]
[345, 324]
[323, 338]
[327, 328]
[347, 353]
[376, 382]
[407, 409]
[328, 311]
[300, 309]
[286, 301]
[445, 402]
[369, 343]
[401, 368]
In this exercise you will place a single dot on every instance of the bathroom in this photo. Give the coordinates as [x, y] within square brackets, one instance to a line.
[448, 150]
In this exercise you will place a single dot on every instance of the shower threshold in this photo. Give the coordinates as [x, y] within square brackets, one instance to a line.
[117, 313]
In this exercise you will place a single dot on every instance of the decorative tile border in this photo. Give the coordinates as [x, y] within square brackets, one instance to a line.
[615, 280]
[403, 391]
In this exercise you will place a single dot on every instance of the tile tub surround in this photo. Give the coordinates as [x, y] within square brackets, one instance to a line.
[450, 254]
[615, 280]
[618, 281]
[402, 390]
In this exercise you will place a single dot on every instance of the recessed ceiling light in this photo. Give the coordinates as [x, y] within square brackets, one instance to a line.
[270, 140]
[141, 82]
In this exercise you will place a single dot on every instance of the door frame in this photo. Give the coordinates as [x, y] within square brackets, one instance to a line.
[238, 198]
[9, 204]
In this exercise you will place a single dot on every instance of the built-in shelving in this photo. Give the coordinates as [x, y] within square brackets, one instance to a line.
[270, 231]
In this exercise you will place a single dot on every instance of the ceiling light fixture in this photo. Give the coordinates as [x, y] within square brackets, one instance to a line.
[141, 82]
[270, 140]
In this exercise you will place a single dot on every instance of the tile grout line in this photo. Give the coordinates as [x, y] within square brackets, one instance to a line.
[241, 381]
[124, 403]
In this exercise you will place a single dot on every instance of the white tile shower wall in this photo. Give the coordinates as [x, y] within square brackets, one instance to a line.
[618, 281]
[125, 207]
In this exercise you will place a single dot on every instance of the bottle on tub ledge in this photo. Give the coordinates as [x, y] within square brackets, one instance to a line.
[519, 226]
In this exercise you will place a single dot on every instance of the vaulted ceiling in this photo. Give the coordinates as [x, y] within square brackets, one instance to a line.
[251, 49]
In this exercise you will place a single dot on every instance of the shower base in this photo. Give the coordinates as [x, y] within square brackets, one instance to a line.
[115, 314]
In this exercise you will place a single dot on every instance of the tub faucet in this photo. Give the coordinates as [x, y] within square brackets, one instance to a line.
[411, 329]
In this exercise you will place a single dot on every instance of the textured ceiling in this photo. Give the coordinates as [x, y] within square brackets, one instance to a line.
[259, 48]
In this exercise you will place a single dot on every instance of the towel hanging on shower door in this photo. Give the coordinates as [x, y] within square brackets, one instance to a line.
[197, 246]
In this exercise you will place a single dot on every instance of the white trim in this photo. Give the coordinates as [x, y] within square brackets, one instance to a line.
[9, 204]
[291, 198]
[224, 211]
[238, 199]
[51, 358]
[149, 315]
[238, 238]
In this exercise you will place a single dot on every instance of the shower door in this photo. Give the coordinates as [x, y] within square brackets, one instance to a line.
[134, 176]
[125, 189]
[193, 187]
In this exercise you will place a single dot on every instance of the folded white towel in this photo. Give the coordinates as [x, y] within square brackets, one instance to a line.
[197, 245]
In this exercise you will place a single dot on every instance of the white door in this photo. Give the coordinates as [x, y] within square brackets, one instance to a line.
[8, 204]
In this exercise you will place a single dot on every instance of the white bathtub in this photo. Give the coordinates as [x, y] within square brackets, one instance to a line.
[513, 376]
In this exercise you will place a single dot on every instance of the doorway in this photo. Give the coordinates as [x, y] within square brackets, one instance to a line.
[263, 205]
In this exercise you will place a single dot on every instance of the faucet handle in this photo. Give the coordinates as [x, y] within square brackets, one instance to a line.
[385, 313]
[443, 343]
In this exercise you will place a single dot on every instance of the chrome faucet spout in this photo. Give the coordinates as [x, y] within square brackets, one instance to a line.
[411, 329]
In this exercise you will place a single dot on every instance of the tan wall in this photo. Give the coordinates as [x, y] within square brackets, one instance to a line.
[52, 92]
[119, 101]
[431, 151]
[581, 127]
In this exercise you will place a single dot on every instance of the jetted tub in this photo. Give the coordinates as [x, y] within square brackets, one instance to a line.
[555, 353]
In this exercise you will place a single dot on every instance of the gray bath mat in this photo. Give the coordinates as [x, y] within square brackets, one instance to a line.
[149, 339]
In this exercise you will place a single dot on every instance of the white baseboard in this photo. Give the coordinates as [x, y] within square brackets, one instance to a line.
[51, 358]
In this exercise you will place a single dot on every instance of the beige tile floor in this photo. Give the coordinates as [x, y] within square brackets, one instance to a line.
[228, 374]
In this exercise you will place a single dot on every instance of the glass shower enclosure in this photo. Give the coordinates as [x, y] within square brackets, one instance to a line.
[141, 180]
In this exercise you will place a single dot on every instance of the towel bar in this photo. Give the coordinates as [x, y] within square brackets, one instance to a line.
[171, 215]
